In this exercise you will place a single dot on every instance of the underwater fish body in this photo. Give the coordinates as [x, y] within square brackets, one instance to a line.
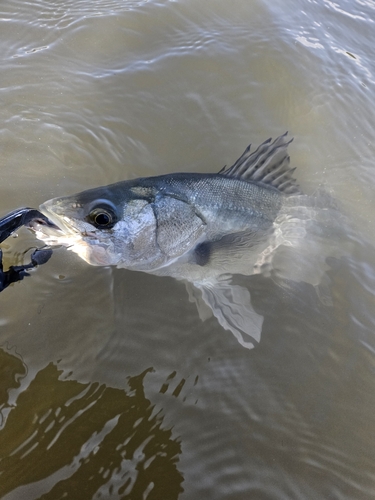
[200, 228]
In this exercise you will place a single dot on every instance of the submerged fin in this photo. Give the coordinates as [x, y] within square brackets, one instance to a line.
[195, 296]
[268, 164]
[231, 306]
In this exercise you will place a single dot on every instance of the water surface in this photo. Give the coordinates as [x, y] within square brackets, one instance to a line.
[111, 386]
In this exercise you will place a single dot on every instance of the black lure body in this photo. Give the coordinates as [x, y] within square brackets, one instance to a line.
[10, 223]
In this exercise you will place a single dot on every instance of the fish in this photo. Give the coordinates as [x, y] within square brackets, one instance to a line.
[204, 228]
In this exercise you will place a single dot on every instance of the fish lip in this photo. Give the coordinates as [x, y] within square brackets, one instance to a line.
[57, 223]
[43, 220]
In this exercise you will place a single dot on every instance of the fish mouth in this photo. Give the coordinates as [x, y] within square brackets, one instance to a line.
[43, 222]
[52, 228]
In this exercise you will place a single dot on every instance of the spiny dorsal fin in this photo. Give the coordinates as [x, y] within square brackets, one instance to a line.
[268, 164]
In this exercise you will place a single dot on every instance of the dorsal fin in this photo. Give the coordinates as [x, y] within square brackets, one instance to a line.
[268, 164]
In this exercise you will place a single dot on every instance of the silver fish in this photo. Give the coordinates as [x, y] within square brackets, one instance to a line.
[203, 229]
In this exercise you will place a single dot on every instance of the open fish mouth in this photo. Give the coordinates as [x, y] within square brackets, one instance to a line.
[53, 229]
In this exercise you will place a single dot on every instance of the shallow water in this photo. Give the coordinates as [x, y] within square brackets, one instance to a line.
[111, 386]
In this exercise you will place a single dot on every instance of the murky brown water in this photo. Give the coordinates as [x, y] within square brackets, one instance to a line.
[110, 385]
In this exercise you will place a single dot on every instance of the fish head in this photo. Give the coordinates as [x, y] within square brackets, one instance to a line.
[104, 226]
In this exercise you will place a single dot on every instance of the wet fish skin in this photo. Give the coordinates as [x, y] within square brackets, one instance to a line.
[160, 218]
[145, 224]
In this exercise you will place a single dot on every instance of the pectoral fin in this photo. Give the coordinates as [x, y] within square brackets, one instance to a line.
[195, 296]
[231, 305]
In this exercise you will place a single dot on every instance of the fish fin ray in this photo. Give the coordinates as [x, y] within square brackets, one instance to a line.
[268, 164]
[195, 296]
[231, 306]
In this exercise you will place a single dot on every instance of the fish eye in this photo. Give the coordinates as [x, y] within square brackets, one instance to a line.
[102, 217]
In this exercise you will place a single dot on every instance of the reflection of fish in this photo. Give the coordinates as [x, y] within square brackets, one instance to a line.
[202, 228]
